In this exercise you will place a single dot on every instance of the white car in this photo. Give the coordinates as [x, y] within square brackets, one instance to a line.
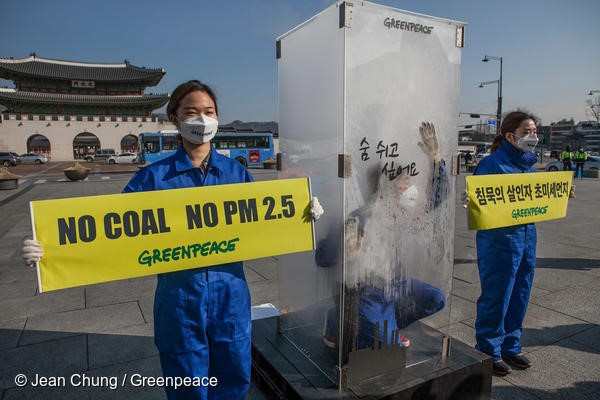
[123, 158]
[32, 158]
[591, 163]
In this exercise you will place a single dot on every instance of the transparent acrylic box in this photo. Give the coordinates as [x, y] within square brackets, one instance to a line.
[368, 106]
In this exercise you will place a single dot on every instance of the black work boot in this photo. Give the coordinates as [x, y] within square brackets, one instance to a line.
[501, 368]
[519, 361]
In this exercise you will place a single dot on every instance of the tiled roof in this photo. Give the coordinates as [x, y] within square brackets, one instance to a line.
[156, 100]
[34, 66]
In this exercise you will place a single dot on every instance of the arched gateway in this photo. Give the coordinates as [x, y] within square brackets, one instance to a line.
[85, 143]
[129, 144]
[39, 144]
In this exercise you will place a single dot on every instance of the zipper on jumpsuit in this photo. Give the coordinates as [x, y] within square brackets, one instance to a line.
[203, 176]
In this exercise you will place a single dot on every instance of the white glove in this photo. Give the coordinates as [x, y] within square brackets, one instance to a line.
[465, 199]
[316, 210]
[32, 252]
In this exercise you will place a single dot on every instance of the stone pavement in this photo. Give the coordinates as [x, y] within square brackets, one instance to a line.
[100, 335]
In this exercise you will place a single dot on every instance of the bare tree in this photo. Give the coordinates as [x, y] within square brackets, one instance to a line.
[593, 109]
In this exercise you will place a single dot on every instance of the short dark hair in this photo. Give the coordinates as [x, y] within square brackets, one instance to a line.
[186, 88]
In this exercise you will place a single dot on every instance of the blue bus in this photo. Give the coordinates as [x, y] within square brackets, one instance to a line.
[251, 149]
[153, 146]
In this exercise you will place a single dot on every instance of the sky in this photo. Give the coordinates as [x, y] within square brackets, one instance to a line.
[550, 48]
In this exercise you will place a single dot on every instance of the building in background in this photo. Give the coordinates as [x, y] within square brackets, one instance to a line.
[589, 134]
[562, 135]
[584, 134]
[68, 109]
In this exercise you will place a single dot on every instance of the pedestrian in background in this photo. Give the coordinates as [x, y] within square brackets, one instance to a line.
[580, 158]
[506, 256]
[565, 156]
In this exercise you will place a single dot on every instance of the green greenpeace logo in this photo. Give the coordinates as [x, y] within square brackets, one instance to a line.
[194, 250]
[529, 212]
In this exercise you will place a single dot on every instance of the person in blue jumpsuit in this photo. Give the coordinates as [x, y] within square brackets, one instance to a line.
[506, 256]
[408, 299]
[202, 320]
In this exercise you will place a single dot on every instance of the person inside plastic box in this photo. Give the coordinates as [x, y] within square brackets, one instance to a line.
[379, 238]
[506, 256]
[202, 320]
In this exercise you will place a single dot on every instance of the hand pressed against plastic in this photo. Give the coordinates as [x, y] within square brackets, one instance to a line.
[430, 144]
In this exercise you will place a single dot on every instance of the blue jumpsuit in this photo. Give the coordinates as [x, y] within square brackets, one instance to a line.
[506, 260]
[410, 301]
[202, 320]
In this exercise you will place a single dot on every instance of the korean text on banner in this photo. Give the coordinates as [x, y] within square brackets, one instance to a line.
[105, 238]
[515, 199]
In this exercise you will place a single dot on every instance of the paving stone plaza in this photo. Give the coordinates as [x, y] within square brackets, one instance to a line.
[95, 333]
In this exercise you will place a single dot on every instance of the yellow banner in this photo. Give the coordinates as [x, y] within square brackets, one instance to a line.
[515, 199]
[105, 238]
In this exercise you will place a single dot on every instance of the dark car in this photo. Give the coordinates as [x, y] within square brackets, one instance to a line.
[8, 159]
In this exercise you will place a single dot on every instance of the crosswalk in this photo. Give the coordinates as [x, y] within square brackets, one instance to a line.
[92, 178]
[259, 175]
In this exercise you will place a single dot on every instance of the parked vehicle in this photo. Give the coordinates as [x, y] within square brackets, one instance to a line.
[99, 155]
[123, 158]
[8, 159]
[592, 162]
[249, 148]
[32, 158]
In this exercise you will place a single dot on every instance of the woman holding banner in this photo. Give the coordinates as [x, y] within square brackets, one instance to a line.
[202, 316]
[506, 256]
[202, 320]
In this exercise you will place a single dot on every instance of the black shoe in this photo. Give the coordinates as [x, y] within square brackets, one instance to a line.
[501, 368]
[519, 361]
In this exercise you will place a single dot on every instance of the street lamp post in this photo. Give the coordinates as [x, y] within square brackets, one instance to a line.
[487, 58]
[499, 112]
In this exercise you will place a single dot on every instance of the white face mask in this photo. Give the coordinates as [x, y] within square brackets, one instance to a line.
[527, 143]
[409, 198]
[198, 130]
